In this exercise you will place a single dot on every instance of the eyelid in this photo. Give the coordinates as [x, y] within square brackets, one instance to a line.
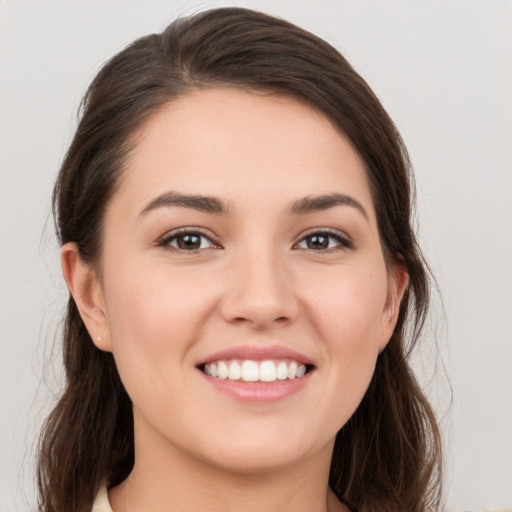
[345, 241]
[164, 240]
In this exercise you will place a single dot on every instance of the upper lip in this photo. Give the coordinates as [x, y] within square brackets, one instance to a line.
[257, 353]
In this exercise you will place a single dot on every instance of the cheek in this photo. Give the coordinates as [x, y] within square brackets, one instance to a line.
[153, 303]
[348, 312]
[153, 319]
[349, 306]
[152, 324]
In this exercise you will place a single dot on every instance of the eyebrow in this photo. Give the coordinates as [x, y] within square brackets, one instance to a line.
[311, 204]
[214, 205]
[196, 202]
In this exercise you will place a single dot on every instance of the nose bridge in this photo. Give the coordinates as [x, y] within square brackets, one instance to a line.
[260, 291]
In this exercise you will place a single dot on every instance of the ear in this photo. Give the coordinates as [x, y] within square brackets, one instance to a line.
[87, 292]
[397, 284]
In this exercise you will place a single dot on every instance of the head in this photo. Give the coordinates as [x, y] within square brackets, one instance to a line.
[386, 448]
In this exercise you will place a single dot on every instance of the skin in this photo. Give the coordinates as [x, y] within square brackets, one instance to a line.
[255, 280]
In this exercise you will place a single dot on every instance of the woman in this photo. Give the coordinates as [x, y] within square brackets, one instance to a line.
[234, 214]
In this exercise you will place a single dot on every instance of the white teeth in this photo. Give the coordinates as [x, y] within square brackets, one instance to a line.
[282, 371]
[250, 371]
[268, 371]
[292, 370]
[254, 371]
[222, 370]
[235, 372]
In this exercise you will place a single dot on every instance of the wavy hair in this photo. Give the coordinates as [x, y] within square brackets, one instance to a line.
[388, 456]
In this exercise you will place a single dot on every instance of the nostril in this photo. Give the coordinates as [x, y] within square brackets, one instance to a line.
[241, 319]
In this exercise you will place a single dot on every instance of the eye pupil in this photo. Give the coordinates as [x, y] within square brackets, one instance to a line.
[190, 241]
[318, 242]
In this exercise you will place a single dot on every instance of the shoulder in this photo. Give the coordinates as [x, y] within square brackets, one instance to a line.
[101, 503]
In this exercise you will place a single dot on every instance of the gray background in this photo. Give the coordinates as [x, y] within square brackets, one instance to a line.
[443, 70]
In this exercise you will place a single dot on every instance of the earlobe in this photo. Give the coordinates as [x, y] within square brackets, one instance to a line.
[397, 284]
[87, 292]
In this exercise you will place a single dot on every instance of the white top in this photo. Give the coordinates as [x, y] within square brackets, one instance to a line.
[101, 503]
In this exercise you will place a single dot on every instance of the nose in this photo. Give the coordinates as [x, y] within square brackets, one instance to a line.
[259, 293]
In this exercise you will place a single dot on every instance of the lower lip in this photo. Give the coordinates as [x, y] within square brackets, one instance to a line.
[262, 392]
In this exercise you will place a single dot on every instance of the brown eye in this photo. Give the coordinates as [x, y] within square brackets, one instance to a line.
[324, 241]
[188, 241]
[317, 242]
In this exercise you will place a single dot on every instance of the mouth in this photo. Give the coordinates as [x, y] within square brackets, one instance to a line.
[257, 374]
[253, 370]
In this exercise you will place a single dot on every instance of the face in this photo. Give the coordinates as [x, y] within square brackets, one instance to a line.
[243, 288]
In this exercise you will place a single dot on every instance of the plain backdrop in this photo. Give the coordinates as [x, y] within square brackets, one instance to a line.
[443, 70]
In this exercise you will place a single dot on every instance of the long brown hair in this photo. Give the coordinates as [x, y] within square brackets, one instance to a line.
[388, 456]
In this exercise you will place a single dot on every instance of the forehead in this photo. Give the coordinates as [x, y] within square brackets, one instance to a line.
[238, 145]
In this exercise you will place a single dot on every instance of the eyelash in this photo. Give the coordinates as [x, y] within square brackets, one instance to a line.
[166, 240]
[343, 243]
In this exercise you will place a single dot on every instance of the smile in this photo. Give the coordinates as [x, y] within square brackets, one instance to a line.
[255, 371]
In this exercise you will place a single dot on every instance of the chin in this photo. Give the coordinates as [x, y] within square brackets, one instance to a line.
[263, 454]
[253, 461]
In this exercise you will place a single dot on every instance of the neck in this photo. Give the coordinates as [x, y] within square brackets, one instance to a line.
[165, 479]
